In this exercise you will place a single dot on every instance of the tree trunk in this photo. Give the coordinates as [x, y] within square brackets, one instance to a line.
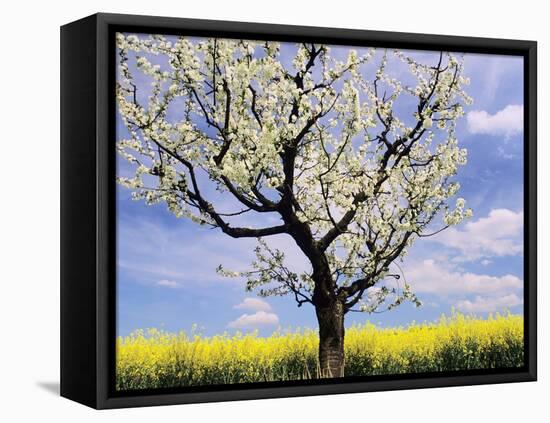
[331, 339]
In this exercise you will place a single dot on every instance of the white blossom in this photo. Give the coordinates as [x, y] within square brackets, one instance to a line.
[232, 111]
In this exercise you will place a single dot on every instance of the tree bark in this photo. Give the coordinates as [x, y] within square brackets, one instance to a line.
[331, 339]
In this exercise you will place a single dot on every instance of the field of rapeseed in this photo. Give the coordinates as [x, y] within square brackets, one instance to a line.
[155, 359]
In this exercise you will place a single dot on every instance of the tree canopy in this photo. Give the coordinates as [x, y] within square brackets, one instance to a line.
[352, 161]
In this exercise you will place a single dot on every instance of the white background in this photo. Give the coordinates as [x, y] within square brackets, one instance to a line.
[29, 210]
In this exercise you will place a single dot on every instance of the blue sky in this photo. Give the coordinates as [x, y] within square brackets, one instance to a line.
[166, 274]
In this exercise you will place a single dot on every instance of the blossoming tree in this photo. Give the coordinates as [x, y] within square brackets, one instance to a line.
[351, 163]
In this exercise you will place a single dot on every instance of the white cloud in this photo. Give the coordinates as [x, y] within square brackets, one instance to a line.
[507, 122]
[168, 283]
[150, 251]
[488, 75]
[506, 155]
[497, 235]
[430, 277]
[254, 321]
[253, 304]
[489, 304]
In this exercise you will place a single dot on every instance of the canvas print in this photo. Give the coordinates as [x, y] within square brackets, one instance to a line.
[295, 211]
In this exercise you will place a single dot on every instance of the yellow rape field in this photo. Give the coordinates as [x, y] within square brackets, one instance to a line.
[157, 359]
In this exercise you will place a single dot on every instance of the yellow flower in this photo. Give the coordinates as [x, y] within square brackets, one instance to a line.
[154, 358]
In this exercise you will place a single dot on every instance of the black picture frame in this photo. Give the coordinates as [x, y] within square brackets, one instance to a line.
[88, 279]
